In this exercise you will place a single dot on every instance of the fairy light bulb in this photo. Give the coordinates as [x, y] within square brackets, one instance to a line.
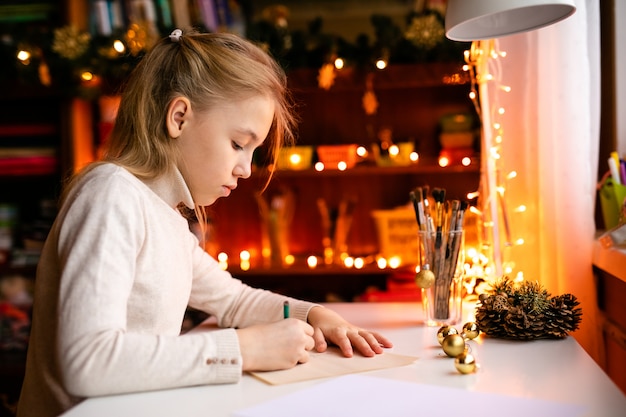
[394, 150]
[222, 260]
[319, 166]
[339, 63]
[382, 263]
[466, 161]
[311, 261]
[361, 151]
[444, 161]
[295, 159]
[359, 263]
[86, 76]
[414, 156]
[381, 64]
[119, 46]
[395, 262]
[342, 166]
[520, 209]
[24, 57]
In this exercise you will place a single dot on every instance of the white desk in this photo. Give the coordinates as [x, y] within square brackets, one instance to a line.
[558, 370]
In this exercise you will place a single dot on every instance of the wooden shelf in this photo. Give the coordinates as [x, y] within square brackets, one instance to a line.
[425, 167]
[424, 75]
[321, 270]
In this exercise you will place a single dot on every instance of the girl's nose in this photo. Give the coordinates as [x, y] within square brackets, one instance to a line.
[243, 169]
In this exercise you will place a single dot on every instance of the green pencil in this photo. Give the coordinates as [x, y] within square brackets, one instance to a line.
[286, 309]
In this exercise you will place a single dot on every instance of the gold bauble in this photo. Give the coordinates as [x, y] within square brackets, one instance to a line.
[453, 345]
[425, 278]
[445, 331]
[470, 330]
[465, 363]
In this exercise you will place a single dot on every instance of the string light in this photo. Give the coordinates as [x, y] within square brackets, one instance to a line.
[483, 64]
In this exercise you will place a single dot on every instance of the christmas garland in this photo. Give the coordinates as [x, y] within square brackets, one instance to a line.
[79, 63]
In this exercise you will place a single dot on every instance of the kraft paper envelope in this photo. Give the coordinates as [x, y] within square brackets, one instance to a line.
[333, 363]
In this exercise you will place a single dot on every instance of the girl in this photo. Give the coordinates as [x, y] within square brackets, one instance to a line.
[120, 265]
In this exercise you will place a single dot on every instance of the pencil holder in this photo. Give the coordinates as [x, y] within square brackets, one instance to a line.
[612, 202]
[441, 275]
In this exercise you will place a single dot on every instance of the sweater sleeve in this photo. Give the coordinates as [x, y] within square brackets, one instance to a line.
[99, 352]
[235, 304]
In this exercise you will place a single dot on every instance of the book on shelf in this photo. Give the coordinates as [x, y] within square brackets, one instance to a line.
[107, 16]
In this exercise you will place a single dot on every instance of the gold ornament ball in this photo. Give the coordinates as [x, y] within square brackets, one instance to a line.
[453, 345]
[470, 330]
[445, 331]
[465, 363]
[425, 278]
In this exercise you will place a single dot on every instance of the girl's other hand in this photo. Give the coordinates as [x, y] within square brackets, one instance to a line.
[330, 326]
[274, 346]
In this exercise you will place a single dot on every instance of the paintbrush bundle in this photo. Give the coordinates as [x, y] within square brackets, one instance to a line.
[440, 237]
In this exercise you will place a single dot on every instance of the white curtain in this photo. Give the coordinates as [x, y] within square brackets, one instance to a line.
[551, 139]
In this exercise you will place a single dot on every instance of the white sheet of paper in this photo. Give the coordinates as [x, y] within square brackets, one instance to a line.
[333, 363]
[367, 396]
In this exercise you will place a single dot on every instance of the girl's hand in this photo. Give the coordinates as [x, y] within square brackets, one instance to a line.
[330, 326]
[274, 346]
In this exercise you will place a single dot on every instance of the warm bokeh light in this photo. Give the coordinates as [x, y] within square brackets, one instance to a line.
[414, 156]
[342, 166]
[444, 161]
[289, 259]
[395, 262]
[381, 64]
[24, 57]
[319, 166]
[119, 46]
[311, 261]
[86, 76]
[359, 263]
[339, 63]
[382, 263]
[244, 255]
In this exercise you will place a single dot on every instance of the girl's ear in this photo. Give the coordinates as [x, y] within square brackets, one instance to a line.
[178, 112]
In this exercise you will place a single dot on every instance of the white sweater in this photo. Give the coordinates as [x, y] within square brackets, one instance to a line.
[117, 272]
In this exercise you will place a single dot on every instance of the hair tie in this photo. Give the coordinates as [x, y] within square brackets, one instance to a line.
[176, 34]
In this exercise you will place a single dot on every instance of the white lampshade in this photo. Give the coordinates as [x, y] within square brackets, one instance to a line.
[470, 20]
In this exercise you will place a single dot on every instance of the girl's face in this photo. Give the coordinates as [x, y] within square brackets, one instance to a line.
[216, 146]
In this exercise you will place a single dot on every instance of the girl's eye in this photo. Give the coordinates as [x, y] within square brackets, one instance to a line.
[236, 146]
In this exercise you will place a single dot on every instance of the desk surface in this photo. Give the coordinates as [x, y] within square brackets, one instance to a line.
[611, 260]
[557, 370]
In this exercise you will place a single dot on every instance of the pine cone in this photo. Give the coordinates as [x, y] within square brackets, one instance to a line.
[527, 313]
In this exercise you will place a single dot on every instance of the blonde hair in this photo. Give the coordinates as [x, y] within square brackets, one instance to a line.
[207, 68]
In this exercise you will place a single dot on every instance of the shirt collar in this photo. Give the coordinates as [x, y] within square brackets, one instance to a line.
[172, 188]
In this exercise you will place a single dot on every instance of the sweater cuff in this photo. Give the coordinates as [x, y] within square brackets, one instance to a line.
[225, 362]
